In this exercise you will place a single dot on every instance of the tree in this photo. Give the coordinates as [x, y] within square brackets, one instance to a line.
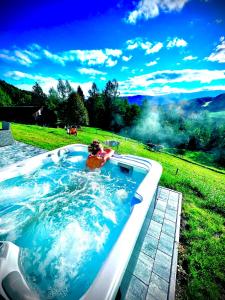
[220, 156]
[24, 99]
[53, 99]
[95, 107]
[69, 89]
[94, 91]
[39, 97]
[5, 100]
[110, 94]
[62, 90]
[132, 114]
[74, 111]
[80, 93]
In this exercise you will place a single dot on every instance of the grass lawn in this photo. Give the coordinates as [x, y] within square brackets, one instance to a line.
[205, 159]
[201, 255]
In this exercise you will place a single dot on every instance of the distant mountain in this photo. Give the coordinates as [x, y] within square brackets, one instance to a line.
[211, 104]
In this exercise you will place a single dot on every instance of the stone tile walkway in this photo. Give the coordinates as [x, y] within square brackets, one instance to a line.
[153, 274]
[17, 152]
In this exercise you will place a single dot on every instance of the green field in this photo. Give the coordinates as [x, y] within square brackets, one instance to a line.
[201, 272]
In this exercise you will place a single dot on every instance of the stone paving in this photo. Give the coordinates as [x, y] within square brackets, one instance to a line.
[153, 275]
[17, 152]
[6, 138]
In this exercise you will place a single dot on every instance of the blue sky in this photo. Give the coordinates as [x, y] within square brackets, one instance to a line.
[151, 47]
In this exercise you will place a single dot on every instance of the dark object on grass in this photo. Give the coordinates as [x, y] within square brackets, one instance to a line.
[154, 147]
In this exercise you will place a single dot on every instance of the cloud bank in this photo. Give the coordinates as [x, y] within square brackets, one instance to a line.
[219, 54]
[28, 57]
[147, 9]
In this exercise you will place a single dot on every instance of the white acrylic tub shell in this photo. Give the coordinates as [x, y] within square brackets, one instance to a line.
[107, 282]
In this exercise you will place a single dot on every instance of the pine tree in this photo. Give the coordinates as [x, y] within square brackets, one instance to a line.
[39, 97]
[53, 99]
[95, 107]
[75, 112]
[80, 93]
[69, 89]
[61, 88]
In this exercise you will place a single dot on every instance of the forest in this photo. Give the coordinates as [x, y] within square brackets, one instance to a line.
[168, 127]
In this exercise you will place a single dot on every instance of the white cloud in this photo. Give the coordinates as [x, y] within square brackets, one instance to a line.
[5, 56]
[35, 52]
[133, 44]
[111, 63]
[113, 52]
[147, 9]
[155, 48]
[126, 58]
[147, 46]
[90, 71]
[154, 83]
[17, 75]
[54, 57]
[167, 90]
[219, 54]
[92, 57]
[151, 63]
[190, 57]
[22, 57]
[176, 42]
[124, 68]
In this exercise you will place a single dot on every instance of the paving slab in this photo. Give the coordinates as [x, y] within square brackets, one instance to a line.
[156, 264]
[17, 152]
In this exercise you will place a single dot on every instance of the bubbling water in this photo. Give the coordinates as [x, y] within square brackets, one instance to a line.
[65, 220]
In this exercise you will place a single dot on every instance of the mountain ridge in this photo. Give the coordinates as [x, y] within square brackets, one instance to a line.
[208, 103]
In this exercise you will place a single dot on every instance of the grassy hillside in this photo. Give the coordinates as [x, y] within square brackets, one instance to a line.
[201, 258]
[205, 159]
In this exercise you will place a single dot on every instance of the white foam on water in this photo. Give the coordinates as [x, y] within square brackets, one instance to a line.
[15, 192]
[12, 221]
[121, 194]
[101, 237]
[70, 247]
[75, 159]
[109, 214]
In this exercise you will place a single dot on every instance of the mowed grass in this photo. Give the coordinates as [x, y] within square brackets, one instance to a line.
[202, 254]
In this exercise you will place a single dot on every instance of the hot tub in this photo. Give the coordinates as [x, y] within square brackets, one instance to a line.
[76, 229]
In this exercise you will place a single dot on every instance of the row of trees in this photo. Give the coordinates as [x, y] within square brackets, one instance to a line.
[170, 127]
[63, 105]
[102, 109]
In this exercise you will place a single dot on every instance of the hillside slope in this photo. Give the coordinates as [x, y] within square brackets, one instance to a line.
[18, 96]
